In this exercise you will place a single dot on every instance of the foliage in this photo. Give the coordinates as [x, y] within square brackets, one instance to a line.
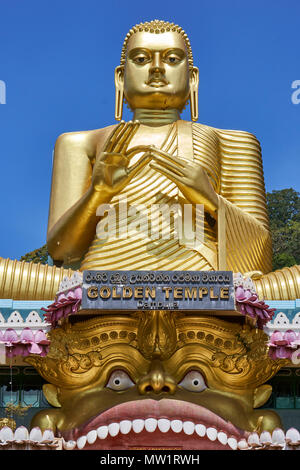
[39, 255]
[284, 213]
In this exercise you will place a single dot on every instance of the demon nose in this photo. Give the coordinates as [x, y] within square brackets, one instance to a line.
[156, 381]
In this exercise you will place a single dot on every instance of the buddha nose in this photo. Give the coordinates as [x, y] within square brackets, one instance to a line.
[156, 381]
[157, 64]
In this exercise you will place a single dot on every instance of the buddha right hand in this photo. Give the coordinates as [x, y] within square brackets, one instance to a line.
[111, 173]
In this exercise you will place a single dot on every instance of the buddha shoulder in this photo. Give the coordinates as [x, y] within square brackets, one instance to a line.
[227, 136]
[86, 142]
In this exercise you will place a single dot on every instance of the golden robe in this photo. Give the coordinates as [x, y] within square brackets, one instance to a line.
[239, 240]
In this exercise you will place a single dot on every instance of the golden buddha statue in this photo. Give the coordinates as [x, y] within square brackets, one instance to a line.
[156, 158]
[132, 380]
[159, 158]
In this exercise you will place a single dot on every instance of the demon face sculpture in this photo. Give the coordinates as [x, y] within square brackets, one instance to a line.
[156, 380]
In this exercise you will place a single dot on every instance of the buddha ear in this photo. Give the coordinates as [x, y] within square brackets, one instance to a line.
[119, 84]
[194, 83]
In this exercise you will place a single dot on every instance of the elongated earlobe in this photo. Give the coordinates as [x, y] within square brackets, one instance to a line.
[194, 83]
[119, 84]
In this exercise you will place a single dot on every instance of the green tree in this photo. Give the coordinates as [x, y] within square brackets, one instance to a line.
[40, 255]
[284, 213]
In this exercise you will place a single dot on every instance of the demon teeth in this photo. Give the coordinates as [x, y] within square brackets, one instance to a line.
[35, 435]
[265, 438]
[200, 430]
[48, 435]
[253, 440]
[150, 424]
[102, 432]
[242, 445]
[176, 425]
[138, 425]
[6, 434]
[21, 434]
[164, 424]
[278, 437]
[232, 442]
[222, 438]
[293, 436]
[81, 441]
[212, 434]
[113, 429]
[91, 437]
[188, 427]
[125, 426]
[70, 445]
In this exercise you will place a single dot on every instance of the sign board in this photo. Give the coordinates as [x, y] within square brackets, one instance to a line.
[158, 290]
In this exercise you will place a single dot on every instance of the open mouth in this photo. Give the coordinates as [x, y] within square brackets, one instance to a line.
[151, 424]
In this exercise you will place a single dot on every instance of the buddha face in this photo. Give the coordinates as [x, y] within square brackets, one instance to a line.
[156, 73]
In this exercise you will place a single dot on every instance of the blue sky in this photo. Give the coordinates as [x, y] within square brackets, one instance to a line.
[57, 59]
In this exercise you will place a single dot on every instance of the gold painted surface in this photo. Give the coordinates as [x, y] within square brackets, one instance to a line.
[283, 284]
[157, 77]
[156, 158]
[232, 358]
[8, 422]
[221, 169]
[20, 280]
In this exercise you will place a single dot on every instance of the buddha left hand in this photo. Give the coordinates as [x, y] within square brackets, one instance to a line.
[190, 178]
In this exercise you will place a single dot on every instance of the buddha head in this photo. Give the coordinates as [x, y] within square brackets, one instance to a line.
[156, 70]
[156, 380]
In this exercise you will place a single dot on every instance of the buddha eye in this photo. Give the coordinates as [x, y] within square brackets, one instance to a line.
[193, 381]
[140, 59]
[119, 380]
[172, 59]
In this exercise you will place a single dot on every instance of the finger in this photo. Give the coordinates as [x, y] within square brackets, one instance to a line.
[138, 149]
[125, 132]
[114, 136]
[125, 139]
[172, 158]
[107, 158]
[116, 159]
[132, 171]
[169, 165]
[169, 174]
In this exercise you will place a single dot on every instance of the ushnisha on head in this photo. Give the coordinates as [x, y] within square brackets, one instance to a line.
[156, 70]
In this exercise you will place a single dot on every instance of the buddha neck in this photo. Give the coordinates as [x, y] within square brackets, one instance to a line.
[156, 117]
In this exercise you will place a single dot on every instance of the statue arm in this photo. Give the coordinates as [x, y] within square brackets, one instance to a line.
[73, 202]
[243, 224]
[89, 169]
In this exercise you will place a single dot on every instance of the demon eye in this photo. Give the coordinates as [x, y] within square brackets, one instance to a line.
[119, 380]
[193, 381]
